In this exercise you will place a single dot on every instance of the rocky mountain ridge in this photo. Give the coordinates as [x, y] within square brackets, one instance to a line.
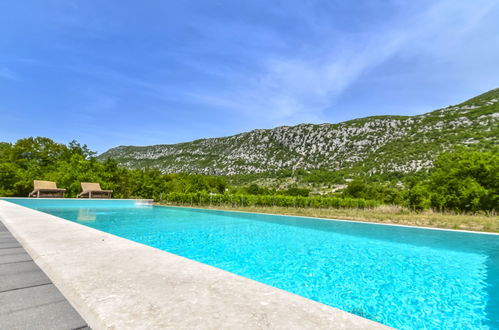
[374, 144]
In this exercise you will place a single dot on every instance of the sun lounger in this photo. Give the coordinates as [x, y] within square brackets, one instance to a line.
[46, 189]
[93, 190]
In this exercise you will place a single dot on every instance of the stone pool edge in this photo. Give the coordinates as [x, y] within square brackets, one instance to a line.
[115, 283]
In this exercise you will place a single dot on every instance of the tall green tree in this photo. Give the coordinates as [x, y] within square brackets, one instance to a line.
[465, 180]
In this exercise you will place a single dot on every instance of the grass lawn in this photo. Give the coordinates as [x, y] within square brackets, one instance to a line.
[384, 214]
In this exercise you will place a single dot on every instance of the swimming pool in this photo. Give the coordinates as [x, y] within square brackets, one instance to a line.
[402, 277]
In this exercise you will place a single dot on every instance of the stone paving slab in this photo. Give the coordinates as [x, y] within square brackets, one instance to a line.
[21, 275]
[39, 307]
[9, 251]
[13, 258]
[9, 245]
[6, 238]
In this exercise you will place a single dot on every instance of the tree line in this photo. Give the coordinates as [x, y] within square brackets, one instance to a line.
[463, 180]
[43, 159]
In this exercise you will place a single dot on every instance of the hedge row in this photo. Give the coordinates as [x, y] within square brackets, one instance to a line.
[200, 199]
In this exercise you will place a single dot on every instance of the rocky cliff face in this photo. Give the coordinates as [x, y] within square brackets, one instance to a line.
[374, 144]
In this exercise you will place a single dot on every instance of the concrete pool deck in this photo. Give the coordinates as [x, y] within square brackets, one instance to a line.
[115, 283]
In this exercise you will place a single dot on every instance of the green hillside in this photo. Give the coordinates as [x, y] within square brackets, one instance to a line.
[372, 145]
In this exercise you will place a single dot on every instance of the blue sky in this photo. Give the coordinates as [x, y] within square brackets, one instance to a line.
[110, 73]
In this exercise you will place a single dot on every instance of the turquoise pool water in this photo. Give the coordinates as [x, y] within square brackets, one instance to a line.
[406, 278]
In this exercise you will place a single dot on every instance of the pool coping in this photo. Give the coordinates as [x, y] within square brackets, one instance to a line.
[115, 283]
[334, 219]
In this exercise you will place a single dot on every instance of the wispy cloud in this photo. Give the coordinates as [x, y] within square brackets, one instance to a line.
[6, 73]
[294, 88]
[282, 86]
